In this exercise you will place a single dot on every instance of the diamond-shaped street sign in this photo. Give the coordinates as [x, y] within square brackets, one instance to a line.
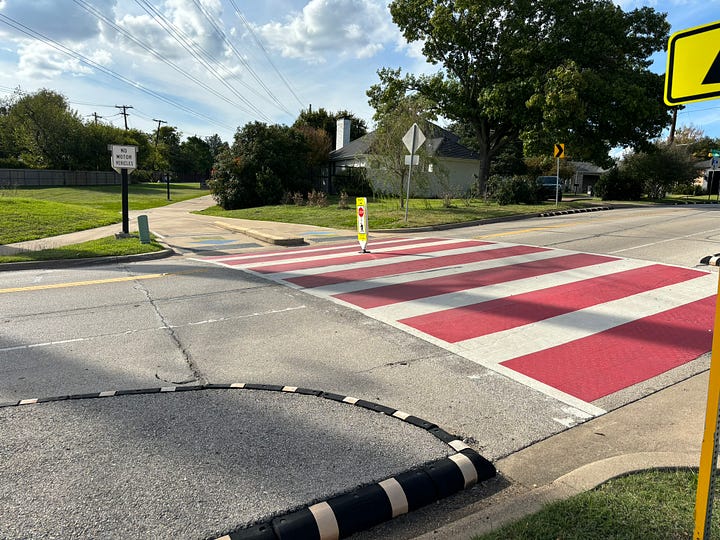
[413, 139]
[693, 65]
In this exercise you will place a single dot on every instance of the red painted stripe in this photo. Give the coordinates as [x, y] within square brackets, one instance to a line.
[598, 365]
[403, 292]
[250, 259]
[484, 318]
[428, 263]
[319, 262]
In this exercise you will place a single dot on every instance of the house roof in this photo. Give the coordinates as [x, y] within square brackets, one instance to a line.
[587, 167]
[439, 143]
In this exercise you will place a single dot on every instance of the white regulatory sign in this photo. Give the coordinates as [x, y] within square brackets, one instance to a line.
[123, 157]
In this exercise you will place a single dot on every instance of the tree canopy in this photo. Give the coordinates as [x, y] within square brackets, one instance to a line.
[543, 71]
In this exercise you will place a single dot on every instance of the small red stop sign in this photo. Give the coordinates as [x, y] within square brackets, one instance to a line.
[361, 211]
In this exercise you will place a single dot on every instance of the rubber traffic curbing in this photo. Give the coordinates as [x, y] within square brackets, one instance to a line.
[712, 260]
[368, 506]
[361, 508]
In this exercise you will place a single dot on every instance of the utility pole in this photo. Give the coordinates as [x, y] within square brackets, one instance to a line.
[671, 137]
[124, 112]
[157, 136]
[96, 116]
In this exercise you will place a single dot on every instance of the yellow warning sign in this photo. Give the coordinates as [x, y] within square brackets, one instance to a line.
[693, 65]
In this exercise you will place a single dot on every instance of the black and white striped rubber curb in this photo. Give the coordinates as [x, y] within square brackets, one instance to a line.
[712, 260]
[575, 211]
[359, 509]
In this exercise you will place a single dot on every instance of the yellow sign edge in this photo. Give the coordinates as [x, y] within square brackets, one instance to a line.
[669, 100]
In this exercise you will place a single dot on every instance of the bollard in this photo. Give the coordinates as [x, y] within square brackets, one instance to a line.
[144, 229]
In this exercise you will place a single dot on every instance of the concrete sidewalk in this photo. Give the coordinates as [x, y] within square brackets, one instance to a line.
[662, 430]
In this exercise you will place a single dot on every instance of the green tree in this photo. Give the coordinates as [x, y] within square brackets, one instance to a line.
[216, 145]
[385, 163]
[42, 131]
[326, 120]
[545, 71]
[661, 170]
[264, 162]
[194, 156]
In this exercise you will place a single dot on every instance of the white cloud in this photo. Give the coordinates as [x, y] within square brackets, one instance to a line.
[62, 20]
[186, 22]
[40, 61]
[333, 28]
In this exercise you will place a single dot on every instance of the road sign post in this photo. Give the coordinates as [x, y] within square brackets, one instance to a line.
[123, 159]
[709, 449]
[413, 140]
[559, 152]
[362, 222]
[693, 74]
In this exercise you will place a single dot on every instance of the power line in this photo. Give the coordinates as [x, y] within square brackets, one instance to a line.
[239, 56]
[203, 56]
[52, 43]
[259, 43]
[90, 9]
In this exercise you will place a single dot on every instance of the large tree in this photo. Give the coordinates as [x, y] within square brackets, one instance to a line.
[545, 71]
[42, 130]
[327, 121]
[264, 162]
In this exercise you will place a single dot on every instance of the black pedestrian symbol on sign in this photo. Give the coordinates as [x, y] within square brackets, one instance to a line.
[713, 75]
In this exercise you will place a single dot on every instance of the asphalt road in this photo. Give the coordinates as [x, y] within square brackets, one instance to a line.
[179, 321]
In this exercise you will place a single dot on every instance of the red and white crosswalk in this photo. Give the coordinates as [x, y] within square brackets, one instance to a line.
[576, 326]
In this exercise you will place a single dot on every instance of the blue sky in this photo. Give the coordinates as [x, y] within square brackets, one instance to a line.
[253, 59]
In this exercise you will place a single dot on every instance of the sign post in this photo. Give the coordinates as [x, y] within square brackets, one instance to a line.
[559, 153]
[693, 74]
[362, 222]
[124, 159]
[413, 140]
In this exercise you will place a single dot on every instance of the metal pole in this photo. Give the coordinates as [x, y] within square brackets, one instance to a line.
[412, 156]
[125, 219]
[709, 449]
[557, 182]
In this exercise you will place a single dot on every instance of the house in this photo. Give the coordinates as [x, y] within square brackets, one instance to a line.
[585, 177]
[454, 171]
[710, 170]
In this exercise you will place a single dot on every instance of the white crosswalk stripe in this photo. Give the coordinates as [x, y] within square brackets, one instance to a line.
[511, 308]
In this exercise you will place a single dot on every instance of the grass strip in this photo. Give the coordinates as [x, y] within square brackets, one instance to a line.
[652, 505]
[388, 214]
[104, 247]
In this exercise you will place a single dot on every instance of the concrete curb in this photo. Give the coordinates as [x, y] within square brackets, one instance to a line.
[72, 263]
[501, 510]
[263, 237]
[361, 508]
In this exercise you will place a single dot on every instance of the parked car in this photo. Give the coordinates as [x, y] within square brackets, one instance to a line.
[549, 186]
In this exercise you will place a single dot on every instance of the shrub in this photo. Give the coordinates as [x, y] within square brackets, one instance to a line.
[618, 185]
[343, 201]
[513, 190]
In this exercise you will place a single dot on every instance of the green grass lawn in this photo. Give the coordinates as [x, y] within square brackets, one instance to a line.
[653, 505]
[32, 213]
[109, 198]
[109, 246]
[387, 213]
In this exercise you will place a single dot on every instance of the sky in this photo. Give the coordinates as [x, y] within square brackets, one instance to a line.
[210, 66]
